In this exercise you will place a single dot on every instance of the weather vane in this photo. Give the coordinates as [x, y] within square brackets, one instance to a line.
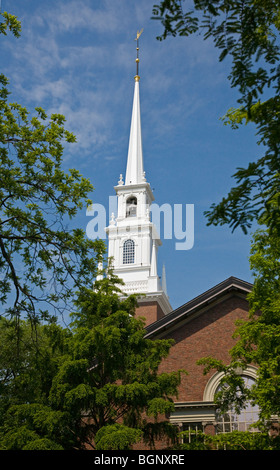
[137, 58]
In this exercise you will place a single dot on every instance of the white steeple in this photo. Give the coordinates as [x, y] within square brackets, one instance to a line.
[134, 168]
[132, 238]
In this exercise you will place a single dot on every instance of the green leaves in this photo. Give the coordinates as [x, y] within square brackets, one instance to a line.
[10, 23]
[256, 195]
[248, 34]
[112, 371]
[96, 385]
[32, 427]
[258, 337]
[174, 20]
[117, 437]
[159, 406]
[41, 260]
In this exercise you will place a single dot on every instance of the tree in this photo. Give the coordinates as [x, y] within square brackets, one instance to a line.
[29, 359]
[42, 261]
[258, 337]
[111, 379]
[246, 31]
[96, 385]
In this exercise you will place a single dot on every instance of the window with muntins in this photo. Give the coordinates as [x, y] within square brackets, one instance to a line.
[244, 421]
[128, 252]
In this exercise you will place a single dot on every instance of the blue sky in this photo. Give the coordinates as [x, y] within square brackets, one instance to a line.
[77, 58]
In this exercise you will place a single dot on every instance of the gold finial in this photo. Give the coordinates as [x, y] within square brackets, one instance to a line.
[137, 78]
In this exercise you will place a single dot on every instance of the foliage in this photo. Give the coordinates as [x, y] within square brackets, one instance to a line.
[32, 427]
[259, 341]
[10, 23]
[236, 440]
[101, 378]
[113, 371]
[247, 32]
[29, 360]
[42, 261]
[117, 437]
[192, 440]
[258, 337]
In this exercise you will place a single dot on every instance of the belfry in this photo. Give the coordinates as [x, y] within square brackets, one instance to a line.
[132, 237]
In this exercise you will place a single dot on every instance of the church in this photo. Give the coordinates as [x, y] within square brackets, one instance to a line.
[201, 327]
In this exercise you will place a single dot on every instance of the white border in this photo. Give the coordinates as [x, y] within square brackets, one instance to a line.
[215, 380]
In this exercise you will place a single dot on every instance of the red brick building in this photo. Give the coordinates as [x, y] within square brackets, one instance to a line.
[204, 327]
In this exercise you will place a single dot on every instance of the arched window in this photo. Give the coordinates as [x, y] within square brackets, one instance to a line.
[131, 206]
[243, 421]
[128, 252]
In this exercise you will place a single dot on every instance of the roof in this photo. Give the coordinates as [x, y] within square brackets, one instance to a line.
[230, 285]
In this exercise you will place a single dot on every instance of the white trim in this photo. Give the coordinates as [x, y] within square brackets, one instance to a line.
[197, 309]
[192, 412]
[215, 380]
[160, 297]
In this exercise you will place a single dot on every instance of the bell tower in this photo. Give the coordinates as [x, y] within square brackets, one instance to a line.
[132, 238]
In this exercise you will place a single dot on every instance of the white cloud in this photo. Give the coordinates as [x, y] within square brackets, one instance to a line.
[75, 15]
[73, 57]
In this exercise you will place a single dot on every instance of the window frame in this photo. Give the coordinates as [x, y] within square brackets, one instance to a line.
[128, 255]
[232, 421]
[131, 201]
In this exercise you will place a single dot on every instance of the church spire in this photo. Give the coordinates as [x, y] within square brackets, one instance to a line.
[132, 236]
[134, 168]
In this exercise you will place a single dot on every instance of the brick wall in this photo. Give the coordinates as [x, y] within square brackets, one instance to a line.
[210, 334]
[151, 311]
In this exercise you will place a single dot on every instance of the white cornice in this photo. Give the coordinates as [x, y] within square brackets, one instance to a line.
[160, 297]
[134, 188]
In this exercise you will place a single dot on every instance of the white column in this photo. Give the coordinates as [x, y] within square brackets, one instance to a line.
[153, 271]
